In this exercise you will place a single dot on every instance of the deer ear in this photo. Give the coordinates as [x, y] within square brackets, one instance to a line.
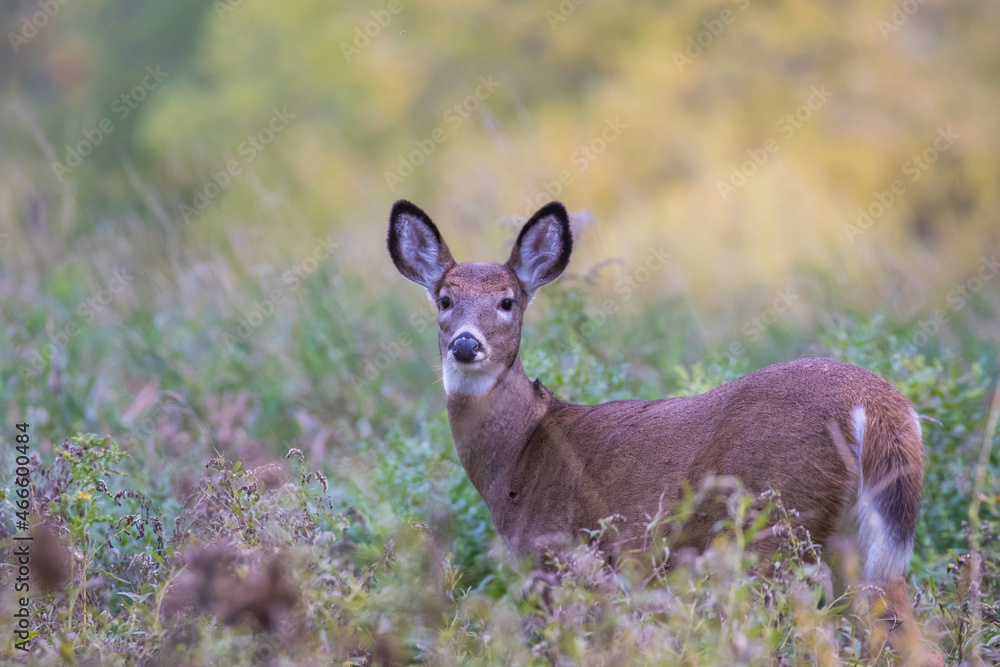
[416, 246]
[542, 249]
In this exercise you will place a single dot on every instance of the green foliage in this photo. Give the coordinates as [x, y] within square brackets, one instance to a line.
[393, 556]
[270, 322]
[384, 552]
[91, 461]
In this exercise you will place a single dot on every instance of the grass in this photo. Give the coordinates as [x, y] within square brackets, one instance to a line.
[238, 445]
[276, 501]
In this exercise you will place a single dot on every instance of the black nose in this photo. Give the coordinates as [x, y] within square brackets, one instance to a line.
[464, 348]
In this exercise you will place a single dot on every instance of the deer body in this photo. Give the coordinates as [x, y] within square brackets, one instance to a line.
[565, 467]
[823, 433]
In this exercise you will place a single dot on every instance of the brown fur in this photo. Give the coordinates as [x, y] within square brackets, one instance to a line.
[566, 463]
[548, 469]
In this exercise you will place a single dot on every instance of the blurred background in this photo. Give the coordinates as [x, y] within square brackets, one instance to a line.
[744, 175]
[194, 199]
[194, 195]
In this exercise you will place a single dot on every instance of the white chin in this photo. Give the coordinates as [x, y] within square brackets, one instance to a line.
[472, 379]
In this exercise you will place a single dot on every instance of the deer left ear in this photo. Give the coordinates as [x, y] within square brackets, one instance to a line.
[416, 246]
[543, 247]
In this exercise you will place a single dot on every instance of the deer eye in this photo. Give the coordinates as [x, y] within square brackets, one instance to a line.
[507, 304]
[445, 302]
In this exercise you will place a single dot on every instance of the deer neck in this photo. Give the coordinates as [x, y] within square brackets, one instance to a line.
[492, 429]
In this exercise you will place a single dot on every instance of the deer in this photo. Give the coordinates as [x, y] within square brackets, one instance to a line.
[826, 435]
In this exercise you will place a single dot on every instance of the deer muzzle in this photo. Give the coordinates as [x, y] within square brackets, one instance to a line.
[464, 348]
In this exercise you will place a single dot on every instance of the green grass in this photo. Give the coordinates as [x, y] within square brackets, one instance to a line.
[267, 504]
[239, 456]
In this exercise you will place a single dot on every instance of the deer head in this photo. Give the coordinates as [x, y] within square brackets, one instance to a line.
[480, 304]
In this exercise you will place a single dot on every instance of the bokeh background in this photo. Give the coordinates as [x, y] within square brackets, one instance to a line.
[685, 95]
[194, 197]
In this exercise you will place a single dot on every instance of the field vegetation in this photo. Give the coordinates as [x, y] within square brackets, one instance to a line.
[239, 449]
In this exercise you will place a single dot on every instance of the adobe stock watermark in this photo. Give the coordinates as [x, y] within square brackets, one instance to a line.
[562, 12]
[121, 108]
[453, 118]
[364, 34]
[87, 311]
[34, 21]
[958, 297]
[144, 426]
[714, 28]
[224, 7]
[625, 287]
[291, 281]
[372, 368]
[581, 159]
[913, 169]
[786, 126]
[753, 328]
[248, 150]
[899, 16]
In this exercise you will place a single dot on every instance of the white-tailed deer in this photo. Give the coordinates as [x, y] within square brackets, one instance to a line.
[548, 469]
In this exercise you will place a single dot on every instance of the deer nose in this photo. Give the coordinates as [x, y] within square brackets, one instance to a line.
[464, 348]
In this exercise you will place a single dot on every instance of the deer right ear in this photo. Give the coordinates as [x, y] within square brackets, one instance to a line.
[416, 246]
[543, 247]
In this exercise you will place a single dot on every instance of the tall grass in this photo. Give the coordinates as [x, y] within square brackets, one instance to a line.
[285, 491]
[240, 451]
